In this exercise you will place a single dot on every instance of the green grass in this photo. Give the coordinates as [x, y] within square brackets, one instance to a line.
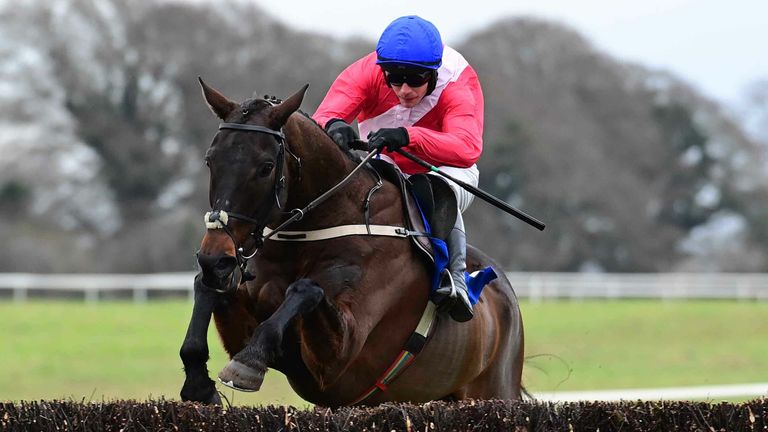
[114, 350]
[644, 344]
[108, 350]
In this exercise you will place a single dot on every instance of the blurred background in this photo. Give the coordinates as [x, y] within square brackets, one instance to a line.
[638, 133]
[634, 168]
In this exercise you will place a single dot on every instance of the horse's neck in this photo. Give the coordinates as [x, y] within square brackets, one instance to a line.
[322, 166]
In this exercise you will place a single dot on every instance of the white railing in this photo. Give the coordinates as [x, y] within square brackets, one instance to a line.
[91, 285]
[534, 286]
[740, 286]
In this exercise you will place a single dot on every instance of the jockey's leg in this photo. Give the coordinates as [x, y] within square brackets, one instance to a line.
[455, 287]
[460, 308]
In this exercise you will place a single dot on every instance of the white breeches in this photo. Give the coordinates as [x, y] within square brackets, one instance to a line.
[469, 175]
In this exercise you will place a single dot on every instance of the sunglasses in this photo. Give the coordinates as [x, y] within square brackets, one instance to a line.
[413, 79]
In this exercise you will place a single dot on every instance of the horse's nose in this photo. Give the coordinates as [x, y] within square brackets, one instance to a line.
[216, 268]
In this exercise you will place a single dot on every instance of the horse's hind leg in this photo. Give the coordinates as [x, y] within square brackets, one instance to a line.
[499, 381]
[198, 386]
[503, 377]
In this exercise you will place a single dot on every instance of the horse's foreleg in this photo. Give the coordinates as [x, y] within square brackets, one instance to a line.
[198, 386]
[247, 368]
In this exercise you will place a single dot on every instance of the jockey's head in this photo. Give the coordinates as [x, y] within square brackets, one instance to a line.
[409, 52]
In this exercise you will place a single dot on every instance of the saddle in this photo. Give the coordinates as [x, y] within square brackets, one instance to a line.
[429, 205]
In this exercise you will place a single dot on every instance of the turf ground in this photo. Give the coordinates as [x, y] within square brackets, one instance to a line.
[121, 350]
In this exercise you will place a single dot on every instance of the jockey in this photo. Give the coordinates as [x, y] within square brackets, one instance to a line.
[416, 93]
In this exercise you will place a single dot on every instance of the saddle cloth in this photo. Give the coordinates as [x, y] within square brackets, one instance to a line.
[430, 211]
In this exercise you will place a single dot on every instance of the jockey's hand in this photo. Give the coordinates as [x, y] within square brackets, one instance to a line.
[389, 138]
[341, 132]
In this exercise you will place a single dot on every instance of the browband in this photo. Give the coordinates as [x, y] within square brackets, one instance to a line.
[252, 128]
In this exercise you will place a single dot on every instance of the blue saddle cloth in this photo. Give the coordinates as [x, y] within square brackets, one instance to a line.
[475, 281]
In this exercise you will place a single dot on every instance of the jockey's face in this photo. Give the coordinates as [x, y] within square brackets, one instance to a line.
[409, 96]
[409, 84]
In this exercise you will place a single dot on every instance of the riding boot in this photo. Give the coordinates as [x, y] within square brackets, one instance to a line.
[453, 287]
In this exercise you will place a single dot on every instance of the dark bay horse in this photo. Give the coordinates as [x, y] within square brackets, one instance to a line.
[333, 314]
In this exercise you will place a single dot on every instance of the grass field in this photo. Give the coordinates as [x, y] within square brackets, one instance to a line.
[114, 350]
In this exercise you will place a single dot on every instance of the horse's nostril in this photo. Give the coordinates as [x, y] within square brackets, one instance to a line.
[218, 264]
[225, 264]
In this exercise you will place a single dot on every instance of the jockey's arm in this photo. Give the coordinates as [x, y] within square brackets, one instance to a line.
[460, 142]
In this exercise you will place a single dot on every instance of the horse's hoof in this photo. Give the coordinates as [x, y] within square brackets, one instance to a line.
[238, 376]
[200, 389]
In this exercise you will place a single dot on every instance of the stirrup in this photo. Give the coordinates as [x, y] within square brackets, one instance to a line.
[451, 300]
[446, 295]
[448, 288]
[462, 307]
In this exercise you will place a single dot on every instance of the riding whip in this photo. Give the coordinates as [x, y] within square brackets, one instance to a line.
[485, 196]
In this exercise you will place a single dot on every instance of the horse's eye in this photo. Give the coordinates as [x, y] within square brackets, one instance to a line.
[265, 169]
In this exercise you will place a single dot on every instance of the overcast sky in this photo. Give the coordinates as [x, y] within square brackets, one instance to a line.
[717, 45]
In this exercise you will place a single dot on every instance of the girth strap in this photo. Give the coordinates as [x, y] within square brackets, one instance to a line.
[413, 346]
[342, 231]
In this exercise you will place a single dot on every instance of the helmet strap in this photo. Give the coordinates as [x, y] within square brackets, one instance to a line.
[384, 74]
[432, 83]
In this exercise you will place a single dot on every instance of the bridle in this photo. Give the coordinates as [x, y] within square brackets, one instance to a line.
[218, 219]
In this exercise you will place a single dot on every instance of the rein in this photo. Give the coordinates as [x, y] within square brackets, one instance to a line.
[298, 214]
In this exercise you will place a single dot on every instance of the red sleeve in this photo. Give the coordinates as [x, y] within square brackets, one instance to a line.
[459, 143]
[349, 92]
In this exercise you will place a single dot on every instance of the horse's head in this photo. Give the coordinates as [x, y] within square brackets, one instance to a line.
[247, 167]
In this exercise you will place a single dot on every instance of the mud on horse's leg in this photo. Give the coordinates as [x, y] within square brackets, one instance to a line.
[198, 387]
[247, 368]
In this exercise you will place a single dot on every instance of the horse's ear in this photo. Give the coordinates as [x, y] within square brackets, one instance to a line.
[289, 106]
[217, 102]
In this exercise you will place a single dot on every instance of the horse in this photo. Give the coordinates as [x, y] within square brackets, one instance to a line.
[331, 314]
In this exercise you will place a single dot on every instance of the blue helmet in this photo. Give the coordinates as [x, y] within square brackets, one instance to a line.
[410, 40]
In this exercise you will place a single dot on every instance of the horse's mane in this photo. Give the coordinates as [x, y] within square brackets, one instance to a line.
[253, 104]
